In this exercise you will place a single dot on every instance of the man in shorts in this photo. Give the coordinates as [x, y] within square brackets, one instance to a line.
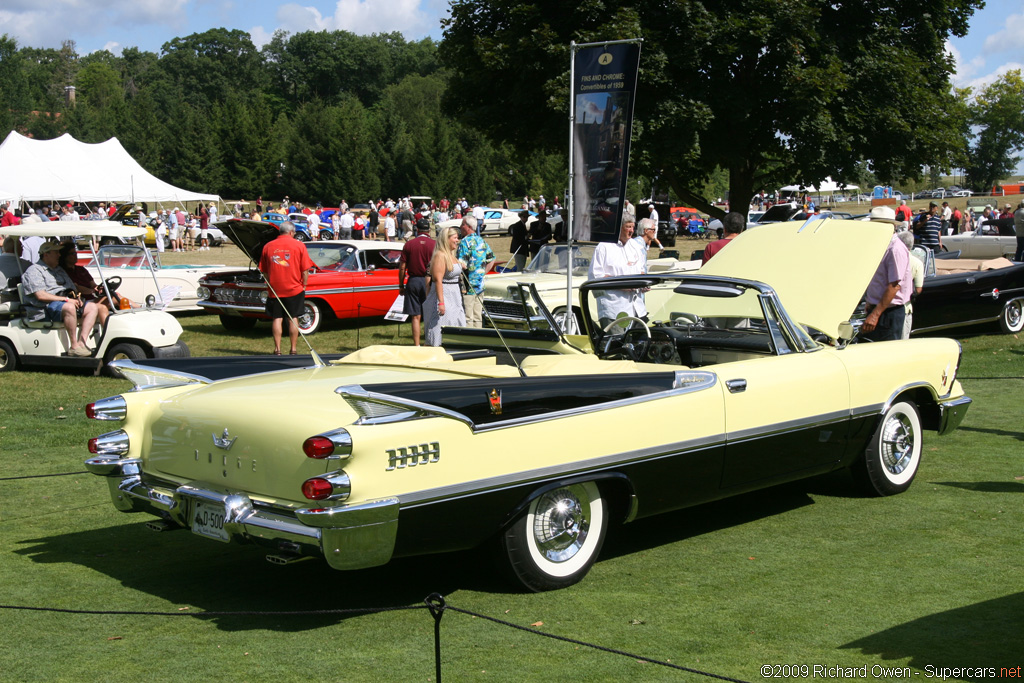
[48, 292]
[415, 261]
[285, 264]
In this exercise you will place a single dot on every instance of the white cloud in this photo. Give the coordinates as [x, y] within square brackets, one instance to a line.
[260, 36]
[113, 47]
[359, 16]
[1009, 39]
[46, 23]
[964, 72]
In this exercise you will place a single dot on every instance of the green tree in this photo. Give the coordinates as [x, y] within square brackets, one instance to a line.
[206, 66]
[13, 84]
[997, 112]
[773, 92]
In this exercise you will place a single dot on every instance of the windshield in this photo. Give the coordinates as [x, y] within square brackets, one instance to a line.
[121, 256]
[341, 257]
[691, 321]
[552, 258]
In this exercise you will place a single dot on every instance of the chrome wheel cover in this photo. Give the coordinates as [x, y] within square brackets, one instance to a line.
[4, 358]
[308, 319]
[897, 443]
[561, 523]
[1013, 315]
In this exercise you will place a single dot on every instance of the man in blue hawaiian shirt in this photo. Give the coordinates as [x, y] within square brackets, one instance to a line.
[477, 258]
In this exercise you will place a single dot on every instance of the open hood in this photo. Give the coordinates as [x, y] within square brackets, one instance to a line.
[250, 236]
[820, 268]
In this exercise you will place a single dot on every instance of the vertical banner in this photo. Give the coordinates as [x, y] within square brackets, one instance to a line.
[604, 89]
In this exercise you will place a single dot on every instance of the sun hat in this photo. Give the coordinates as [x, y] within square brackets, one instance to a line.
[883, 214]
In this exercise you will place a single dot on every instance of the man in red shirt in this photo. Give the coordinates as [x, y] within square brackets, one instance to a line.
[415, 261]
[285, 264]
[732, 226]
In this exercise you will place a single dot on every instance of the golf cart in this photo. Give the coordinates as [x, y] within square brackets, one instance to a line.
[137, 331]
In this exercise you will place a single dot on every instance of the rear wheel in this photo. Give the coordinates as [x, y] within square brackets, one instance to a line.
[556, 540]
[123, 351]
[1012, 320]
[237, 323]
[892, 457]
[311, 318]
[8, 357]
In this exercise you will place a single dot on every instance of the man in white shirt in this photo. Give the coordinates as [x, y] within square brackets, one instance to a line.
[654, 214]
[478, 214]
[345, 226]
[313, 220]
[625, 257]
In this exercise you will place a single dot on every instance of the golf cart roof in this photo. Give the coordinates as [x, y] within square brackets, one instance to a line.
[74, 229]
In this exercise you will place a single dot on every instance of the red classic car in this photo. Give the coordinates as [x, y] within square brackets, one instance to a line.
[352, 279]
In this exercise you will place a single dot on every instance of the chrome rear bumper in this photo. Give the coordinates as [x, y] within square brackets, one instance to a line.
[952, 413]
[347, 536]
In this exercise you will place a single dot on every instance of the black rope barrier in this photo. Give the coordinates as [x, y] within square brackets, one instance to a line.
[434, 603]
[39, 476]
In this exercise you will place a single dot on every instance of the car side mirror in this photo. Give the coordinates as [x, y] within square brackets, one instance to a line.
[847, 330]
[370, 268]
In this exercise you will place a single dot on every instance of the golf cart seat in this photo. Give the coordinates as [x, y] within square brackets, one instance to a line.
[10, 302]
[39, 324]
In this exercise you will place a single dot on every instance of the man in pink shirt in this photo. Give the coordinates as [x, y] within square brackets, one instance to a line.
[890, 287]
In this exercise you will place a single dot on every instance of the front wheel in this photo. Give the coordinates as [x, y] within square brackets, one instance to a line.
[121, 352]
[311, 318]
[556, 540]
[1012, 320]
[892, 457]
[301, 236]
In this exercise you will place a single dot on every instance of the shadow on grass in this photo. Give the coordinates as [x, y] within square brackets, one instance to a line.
[985, 634]
[997, 432]
[186, 570]
[985, 486]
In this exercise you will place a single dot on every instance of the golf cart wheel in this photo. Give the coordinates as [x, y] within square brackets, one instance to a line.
[237, 323]
[891, 459]
[556, 540]
[8, 357]
[122, 351]
[1012, 320]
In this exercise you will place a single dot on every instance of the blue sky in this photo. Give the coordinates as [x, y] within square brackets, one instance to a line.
[994, 44]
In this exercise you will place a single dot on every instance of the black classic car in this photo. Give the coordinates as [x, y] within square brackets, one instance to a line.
[959, 292]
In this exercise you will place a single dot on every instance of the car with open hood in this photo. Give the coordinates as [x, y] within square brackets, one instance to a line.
[402, 451]
[143, 330]
[350, 279]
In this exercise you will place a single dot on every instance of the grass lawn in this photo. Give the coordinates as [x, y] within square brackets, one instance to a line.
[803, 574]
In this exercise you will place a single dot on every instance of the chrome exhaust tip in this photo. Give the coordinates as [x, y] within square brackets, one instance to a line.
[287, 558]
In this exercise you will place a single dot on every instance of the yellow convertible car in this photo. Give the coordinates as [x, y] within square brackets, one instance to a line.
[535, 449]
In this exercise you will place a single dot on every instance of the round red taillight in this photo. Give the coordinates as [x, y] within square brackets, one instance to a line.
[93, 448]
[90, 411]
[318, 447]
[317, 489]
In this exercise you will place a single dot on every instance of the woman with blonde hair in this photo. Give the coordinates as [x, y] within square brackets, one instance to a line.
[444, 300]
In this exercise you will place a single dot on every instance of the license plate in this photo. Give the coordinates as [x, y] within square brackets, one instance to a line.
[208, 520]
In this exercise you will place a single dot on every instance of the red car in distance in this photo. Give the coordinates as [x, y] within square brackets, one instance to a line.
[351, 279]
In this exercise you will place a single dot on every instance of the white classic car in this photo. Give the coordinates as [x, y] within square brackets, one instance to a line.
[500, 221]
[403, 451]
[991, 240]
[144, 280]
[505, 307]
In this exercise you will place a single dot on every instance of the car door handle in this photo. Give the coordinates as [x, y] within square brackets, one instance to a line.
[971, 280]
[736, 386]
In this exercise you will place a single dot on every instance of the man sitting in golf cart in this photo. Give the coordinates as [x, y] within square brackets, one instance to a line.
[49, 296]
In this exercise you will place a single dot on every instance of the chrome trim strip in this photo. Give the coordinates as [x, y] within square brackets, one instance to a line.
[908, 387]
[963, 323]
[205, 303]
[579, 466]
[136, 373]
[789, 426]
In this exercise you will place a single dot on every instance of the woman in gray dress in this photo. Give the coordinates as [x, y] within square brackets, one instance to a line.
[444, 299]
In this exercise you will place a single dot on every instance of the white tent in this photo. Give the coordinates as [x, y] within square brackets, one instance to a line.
[827, 187]
[66, 169]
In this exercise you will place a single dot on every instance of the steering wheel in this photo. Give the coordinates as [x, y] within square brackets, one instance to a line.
[633, 343]
[113, 283]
